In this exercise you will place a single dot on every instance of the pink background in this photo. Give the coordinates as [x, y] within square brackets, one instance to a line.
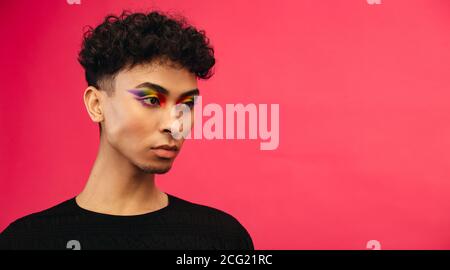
[364, 94]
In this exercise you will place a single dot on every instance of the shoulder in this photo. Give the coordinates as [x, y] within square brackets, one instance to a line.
[37, 222]
[213, 218]
[60, 210]
[206, 213]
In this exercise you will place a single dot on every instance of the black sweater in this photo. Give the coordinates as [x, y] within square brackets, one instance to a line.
[181, 225]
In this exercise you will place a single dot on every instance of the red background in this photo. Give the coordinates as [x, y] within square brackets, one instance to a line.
[364, 117]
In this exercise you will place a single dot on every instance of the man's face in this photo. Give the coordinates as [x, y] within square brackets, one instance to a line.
[139, 115]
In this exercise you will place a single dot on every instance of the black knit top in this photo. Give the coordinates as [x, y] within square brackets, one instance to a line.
[181, 225]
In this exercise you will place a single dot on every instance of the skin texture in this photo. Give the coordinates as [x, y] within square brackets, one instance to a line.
[122, 180]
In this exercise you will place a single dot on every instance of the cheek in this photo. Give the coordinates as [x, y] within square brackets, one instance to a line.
[129, 127]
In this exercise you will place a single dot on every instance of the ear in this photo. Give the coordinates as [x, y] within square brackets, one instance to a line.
[92, 100]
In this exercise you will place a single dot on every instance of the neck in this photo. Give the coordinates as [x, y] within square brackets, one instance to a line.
[116, 186]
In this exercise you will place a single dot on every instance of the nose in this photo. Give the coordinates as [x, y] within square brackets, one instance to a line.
[167, 130]
[166, 121]
[170, 121]
[175, 121]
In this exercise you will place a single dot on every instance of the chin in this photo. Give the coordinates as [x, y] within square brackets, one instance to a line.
[156, 168]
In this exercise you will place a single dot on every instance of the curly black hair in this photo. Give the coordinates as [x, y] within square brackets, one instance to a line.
[137, 38]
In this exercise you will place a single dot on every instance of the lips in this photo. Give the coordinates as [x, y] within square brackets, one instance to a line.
[166, 151]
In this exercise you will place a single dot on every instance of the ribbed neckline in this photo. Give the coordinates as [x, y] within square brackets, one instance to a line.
[171, 203]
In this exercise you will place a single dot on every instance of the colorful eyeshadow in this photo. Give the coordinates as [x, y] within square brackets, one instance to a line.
[144, 94]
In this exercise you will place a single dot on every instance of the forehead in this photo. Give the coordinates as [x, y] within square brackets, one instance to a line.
[174, 78]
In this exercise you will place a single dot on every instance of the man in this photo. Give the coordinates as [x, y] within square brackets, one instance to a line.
[138, 67]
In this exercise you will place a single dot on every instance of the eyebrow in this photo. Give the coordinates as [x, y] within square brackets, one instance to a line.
[164, 91]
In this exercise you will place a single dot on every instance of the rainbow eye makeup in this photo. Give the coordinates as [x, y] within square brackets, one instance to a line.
[153, 95]
[189, 101]
[149, 97]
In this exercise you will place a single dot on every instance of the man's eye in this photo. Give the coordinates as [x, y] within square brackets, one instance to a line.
[152, 101]
[190, 104]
